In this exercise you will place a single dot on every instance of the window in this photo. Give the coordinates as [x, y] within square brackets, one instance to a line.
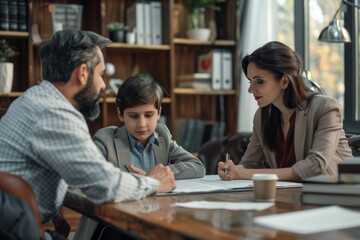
[285, 22]
[326, 60]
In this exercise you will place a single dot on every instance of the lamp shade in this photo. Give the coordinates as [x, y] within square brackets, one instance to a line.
[335, 33]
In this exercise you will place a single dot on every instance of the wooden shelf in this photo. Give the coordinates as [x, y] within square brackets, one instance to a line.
[219, 43]
[11, 94]
[14, 34]
[113, 100]
[191, 91]
[139, 47]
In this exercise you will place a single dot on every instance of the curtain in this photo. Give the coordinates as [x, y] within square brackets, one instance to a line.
[257, 28]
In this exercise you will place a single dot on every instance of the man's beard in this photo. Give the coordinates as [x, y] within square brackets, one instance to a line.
[88, 100]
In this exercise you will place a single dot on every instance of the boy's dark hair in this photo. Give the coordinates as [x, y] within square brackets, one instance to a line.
[139, 90]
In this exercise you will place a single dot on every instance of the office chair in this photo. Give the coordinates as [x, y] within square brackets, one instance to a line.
[20, 188]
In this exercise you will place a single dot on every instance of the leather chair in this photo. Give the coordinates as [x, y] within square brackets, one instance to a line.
[235, 144]
[354, 143]
[20, 188]
[215, 150]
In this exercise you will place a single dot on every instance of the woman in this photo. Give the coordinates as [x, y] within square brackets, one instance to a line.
[296, 133]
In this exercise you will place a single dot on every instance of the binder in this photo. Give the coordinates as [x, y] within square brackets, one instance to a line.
[226, 76]
[156, 23]
[147, 23]
[211, 63]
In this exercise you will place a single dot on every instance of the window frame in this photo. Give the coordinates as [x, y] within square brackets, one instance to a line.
[351, 58]
[351, 125]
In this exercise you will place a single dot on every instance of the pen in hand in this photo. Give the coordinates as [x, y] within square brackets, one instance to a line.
[225, 165]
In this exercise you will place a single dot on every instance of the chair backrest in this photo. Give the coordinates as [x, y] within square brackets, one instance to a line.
[215, 150]
[354, 143]
[20, 188]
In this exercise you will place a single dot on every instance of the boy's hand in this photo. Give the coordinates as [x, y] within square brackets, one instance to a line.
[137, 170]
[165, 176]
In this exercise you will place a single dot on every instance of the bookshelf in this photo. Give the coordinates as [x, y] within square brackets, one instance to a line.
[175, 56]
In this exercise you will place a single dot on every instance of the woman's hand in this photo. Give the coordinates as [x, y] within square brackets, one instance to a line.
[226, 170]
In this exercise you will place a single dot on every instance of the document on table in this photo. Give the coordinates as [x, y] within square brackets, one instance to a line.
[213, 183]
[312, 221]
[225, 205]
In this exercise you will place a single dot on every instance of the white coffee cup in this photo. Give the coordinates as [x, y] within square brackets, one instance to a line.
[264, 187]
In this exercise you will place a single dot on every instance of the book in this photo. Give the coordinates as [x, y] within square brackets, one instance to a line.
[13, 15]
[22, 16]
[331, 193]
[195, 84]
[197, 138]
[200, 81]
[350, 165]
[349, 177]
[331, 188]
[4, 15]
[331, 199]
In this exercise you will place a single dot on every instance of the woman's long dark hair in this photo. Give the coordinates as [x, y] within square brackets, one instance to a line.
[281, 61]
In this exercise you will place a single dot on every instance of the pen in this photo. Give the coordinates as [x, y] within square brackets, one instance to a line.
[227, 157]
[127, 168]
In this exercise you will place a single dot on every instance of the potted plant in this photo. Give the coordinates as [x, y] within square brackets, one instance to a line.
[6, 67]
[196, 17]
[117, 31]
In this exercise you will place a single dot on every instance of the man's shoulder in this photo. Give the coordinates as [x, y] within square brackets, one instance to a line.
[107, 132]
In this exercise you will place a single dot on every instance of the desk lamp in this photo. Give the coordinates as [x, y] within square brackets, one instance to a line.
[334, 32]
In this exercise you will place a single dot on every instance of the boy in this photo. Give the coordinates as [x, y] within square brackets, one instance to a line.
[142, 143]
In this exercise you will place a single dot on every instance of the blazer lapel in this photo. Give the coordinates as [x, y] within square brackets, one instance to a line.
[300, 133]
[122, 148]
[159, 152]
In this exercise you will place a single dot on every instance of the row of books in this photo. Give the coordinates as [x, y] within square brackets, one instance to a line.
[13, 15]
[191, 133]
[343, 189]
[145, 19]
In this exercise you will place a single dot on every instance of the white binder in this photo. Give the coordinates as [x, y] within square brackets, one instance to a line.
[216, 69]
[156, 23]
[147, 23]
[226, 77]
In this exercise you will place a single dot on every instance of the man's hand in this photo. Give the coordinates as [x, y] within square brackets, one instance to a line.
[165, 176]
[137, 170]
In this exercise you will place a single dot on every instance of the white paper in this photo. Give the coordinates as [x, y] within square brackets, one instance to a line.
[213, 183]
[313, 220]
[225, 205]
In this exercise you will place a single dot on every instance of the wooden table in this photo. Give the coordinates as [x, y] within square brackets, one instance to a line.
[154, 218]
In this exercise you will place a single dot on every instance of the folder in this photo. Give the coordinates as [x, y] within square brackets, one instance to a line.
[156, 23]
[226, 76]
